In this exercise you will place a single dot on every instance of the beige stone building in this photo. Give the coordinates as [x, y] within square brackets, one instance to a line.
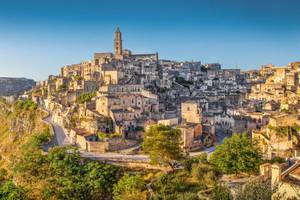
[278, 138]
[191, 112]
[284, 177]
[191, 125]
[281, 84]
[126, 105]
[190, 136]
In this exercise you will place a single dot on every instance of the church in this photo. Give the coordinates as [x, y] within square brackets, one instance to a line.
[120, 54]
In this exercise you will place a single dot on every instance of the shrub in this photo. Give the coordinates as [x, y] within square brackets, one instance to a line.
[221, 192]
[85, 97]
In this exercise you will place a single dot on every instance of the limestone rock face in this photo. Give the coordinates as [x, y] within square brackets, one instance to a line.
[15, 86]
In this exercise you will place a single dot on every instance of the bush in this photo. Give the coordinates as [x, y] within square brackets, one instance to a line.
[61, 88]
[276, 160]
[175, 186]
[254, 190]
[8, 191]
[85, 97]
[221, 192]
[130, 187]
[188, 163]
[205, 174]
[25, 105]
[183, 82]
[41, 139]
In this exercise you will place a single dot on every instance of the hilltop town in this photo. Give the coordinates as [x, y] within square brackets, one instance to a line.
[123, 93]
[106, 105]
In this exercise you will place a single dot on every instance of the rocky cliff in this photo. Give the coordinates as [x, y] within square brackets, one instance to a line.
[14, 86]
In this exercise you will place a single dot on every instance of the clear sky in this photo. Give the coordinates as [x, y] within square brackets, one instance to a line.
[37, 37]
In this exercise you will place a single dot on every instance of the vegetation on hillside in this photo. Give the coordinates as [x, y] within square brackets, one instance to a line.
[255, 190]
[130, 187]
[85, 97]
[27, 172]
[283, 131]
[183, 82]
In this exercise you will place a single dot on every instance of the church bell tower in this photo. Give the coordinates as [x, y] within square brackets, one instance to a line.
[118, 43]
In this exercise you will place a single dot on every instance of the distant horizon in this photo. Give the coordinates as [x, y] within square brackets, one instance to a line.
[37, 38]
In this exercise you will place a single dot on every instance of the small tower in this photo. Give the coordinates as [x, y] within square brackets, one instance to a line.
[118, 43]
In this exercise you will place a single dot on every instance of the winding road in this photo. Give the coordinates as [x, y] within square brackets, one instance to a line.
[61, 139]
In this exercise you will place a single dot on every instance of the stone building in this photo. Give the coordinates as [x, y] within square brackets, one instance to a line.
[191, 112]
[285, 177]
[278, 139]
[126, 106]
[191, 125]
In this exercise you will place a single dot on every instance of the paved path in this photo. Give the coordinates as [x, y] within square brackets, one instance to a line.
[60, 136]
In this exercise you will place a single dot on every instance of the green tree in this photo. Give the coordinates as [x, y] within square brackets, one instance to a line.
[237, 154]
[130, 187]
[163, 144]
[221, 192]
[255, 190]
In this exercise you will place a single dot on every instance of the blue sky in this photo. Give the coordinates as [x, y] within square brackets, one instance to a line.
[38, 37]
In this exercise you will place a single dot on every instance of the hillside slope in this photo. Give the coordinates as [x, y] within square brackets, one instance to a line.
[15, 86]
[29, 173]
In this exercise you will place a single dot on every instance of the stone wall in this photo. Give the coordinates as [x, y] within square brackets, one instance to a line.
[99, 147]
